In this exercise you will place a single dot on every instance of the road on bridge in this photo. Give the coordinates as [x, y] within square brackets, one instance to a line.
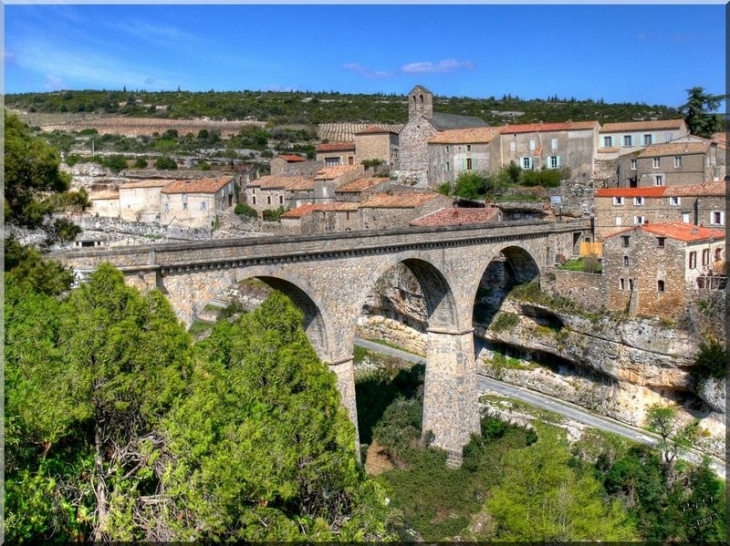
[561, 407]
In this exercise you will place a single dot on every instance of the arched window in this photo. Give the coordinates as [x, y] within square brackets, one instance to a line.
[626, 261]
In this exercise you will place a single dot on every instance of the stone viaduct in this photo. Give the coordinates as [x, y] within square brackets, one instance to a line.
[330, 276]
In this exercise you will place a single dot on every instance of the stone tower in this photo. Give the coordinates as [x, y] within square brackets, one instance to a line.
[420, 103]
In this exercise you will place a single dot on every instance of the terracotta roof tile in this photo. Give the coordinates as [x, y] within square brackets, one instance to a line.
[321, 207]
[271, 182]
[704, 189]
[204, 185]
[675, 148]
[375, 130]
[405, 200]
[361, 184]
[546, 127]
[648, 191]
[149, 183]
[336, 147]
[450, 216]
[681, 231]
[289, 158]
[333, 172]
[470, 135]
[628, 126]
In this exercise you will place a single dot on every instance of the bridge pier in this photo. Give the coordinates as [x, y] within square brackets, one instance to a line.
[344, 370]
[450, 398]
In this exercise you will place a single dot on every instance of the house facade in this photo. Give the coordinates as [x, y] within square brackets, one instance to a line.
[105, 203]
[651, 269]
[321, 218]
[386, 211]
[271, 192]
[195, 203]
[293, 165]
[335, 154]
[376, 143]
[689, 160]
[625, 137]
[456, 151]
[361, 189]
[330, 179]
[140, 201]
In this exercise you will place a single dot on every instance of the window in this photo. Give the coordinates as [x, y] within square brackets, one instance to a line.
[631, 284]
[647, 140]
[618, 220]
[621, 284]
[554, 144]
[627, 140]
[660, 241]
[512, 146]
[468, 163]
[526, 163]
[253, 200]
[639, 201]
[532, 145]
[331, 161]
[685, 217]
[718, 254]
[281, 199]
[618, 201]
[468, 147]
[553, 162]
[658, 180]
[625, 240]
[667, 137]
[268, 199]
[693, 260]
[674, 201]
[639, 220]
[448, 166]
[677, 161]
[203, 205]
[447, 149]
[656, 162]
[633, 164]
[608, 141]
[660, 286]
[717, 218]
[167, 207]
[626, 261]
[705, 256]
[185, 205]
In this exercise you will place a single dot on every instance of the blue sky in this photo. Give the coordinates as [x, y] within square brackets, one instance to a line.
[634, 53]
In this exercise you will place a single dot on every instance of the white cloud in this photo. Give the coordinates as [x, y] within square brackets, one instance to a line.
[427, 67]
[366, 72]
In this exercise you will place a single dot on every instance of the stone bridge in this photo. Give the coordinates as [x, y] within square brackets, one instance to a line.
[330, 276]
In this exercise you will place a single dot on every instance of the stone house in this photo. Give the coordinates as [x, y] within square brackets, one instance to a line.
[293, 165]
[105, 203]
[140, 200]
[424, 124]
[697, 204]
[651, 269]
[386, 211]
[376, 143]
[330, 179]
[551, 146]
[689, 160]
[459, 216]
[196, 203]
[362, 189]
[273, 191]
[334, 154]
[457, 151]
[321, 218]
[623, 137]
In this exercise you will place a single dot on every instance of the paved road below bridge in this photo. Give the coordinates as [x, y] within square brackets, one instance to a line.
[566, 409]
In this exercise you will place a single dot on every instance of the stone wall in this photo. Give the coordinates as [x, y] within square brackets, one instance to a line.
[587, 289]
[413, 152]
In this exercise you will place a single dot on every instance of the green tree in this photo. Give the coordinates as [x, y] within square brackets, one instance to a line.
[165, 163]
[261, 446]
[543, 499]
[471, 185]
[674, 437]
[699, 110]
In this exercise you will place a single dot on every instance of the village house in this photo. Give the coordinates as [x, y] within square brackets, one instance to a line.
[376, 143]
[630, 136]
[330, 179]
[334, 154]
[105, 203]
[457, 151]
[195, 203]
[292, 165]
[688, 160]
[550, 146]
[651, 269]
[321, 218]
[424, 124]
[698, 204]
[362, 189]
[387, 211]
[271, 192]
[140, 200]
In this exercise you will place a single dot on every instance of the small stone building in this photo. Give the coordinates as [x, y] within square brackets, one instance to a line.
[651, 269]
[273, 191]
[140, 201]
[105, 203]
[334, 154]
[330, 179]
[630, 136]
[195, 203]
[293, 165]
[387, 211]
[362, 189]
[376, 143]
[689, 160]
[321, 218]
[457, 151]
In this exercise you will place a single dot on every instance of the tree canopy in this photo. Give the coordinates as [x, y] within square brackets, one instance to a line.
[700, 112]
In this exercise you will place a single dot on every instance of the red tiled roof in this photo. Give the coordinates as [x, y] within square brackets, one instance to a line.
[336, 147]
[676, 148]
[628, 126]
[334, 172]
[291, 158]
[649, 191]
[470, 135]
[680, 231]
[405, 200]
[704, 189]
[149, 183]
[450, 216]
[361, 184]
[545, 127]
[204, 185]
[270, 182]
[375, 130]
[322, 207]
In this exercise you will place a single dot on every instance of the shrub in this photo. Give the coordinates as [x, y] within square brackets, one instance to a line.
[165, 163]
[244, 210]
[140, 163]
[504, 321]
[115, 162]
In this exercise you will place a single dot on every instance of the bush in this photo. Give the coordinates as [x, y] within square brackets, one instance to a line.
[140, 163]
[547, 178]
[165, 163]
[711, 362]
[270, 215]
[244, 210]
[115, 162]
[504, 321]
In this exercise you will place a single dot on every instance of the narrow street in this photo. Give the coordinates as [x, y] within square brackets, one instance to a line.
[566, 409]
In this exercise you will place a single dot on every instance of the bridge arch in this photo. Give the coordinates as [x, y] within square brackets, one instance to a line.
[523, 264]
